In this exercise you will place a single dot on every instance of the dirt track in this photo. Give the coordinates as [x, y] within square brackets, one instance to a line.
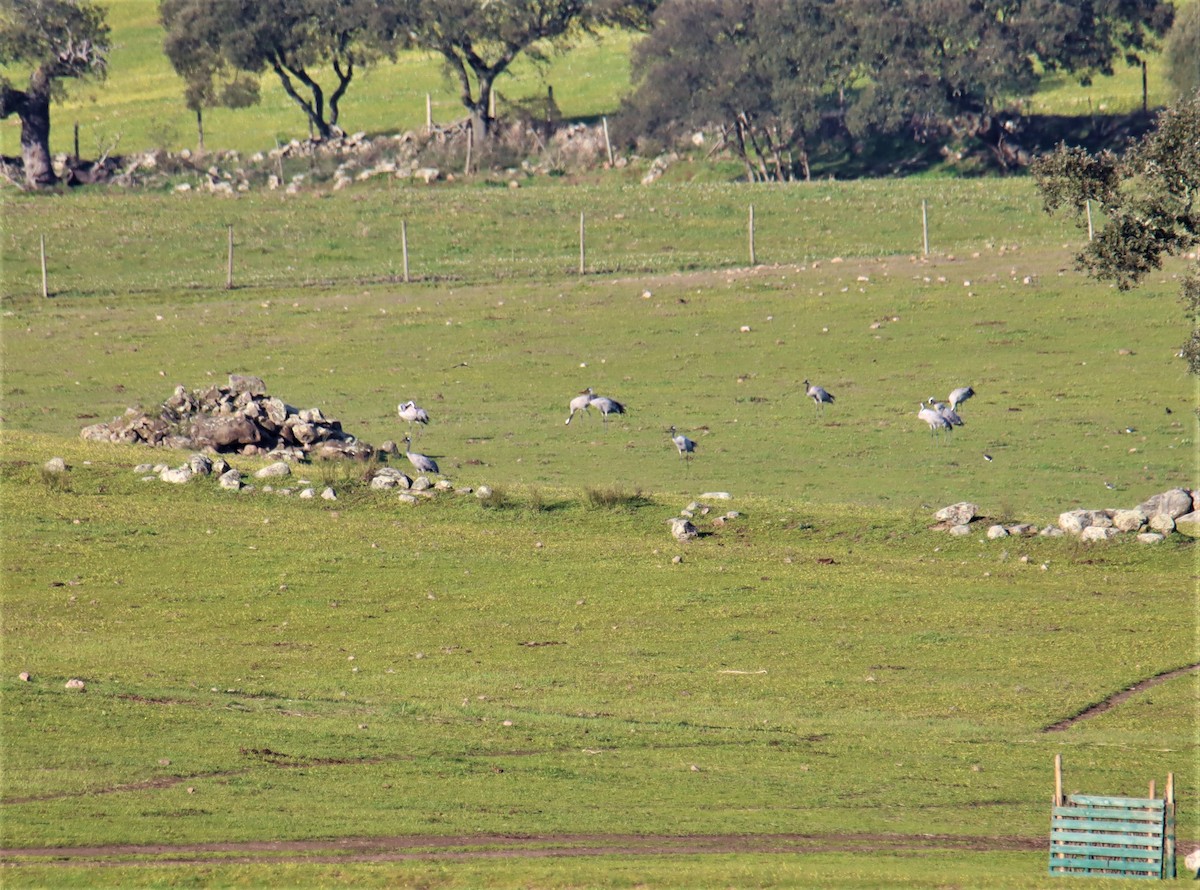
[389, 849]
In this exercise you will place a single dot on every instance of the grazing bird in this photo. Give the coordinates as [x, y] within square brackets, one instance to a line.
[988, 458]
[946, 411]
[580, 403]
[933, 418]
[685, 445]
[411, 412]
[960, 395]
[604, 405]
[818, 394]
[422, 463]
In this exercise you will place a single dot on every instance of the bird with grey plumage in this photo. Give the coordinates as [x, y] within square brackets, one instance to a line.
[683, 444]
[936, 422]
[413, 413]
[946, 411]
[959, 395]
[820, 396]
[580, 403]
[604, 405]
[420, 462]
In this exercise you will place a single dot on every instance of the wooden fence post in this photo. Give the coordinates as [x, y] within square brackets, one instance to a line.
[607, 143]
[229, 265]
[404, 246]
[428, 113]
[582, 245]
[470, 146]
[1058, 795]
[45, 282]
[1091, 231]
[924, 229]
[753, 261]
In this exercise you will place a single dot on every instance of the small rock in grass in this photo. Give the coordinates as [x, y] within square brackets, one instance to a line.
[997, 531]
[1151, 538]
[275, 470]
[76, 684]
[25, 676]
[55, 465]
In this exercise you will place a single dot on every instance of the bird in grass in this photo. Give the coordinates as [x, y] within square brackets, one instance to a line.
[960, 395]
[580, 403]
[420, 462]
[933, 418]
[685, 445]
[413, 413]
[988, 457]
[946, 411]
[604, 405]
[818, 394]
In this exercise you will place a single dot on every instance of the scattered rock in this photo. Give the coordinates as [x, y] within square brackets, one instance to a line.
[1098, 533]
[1162, 523]
[997, 531]
[1151, 538]
[329, 495]
[274, 471]
[75, 684]
[177, 476]
[957, 514]
[230, 480]
[24, 676]
[1129, 520]
[55, 465]
[682, 529]
[960, 530]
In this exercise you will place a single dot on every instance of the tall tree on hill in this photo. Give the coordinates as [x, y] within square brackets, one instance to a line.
[56, 40]
[1151, 199]
[302, 41]
[480, 39]
[822, 71]
[1183, 51]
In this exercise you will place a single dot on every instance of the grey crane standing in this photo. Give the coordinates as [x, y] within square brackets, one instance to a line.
[580, 403]
[420, 462]
[960, 395]
[946, 411]
[820, 396]
[685, 446]
[604, 405]
[933, 418]
[413, 413]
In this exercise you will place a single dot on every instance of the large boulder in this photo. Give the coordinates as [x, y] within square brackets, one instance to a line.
[1129, 520]
[682, 529]
[225, 432]
[1189, 524]
[1075, 521]
[1174, 503]
[1098, 533]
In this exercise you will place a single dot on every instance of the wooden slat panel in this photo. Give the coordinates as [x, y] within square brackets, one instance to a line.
[1110, 825]
[1140, 803]
[1093, 850]
[1091, 865]
[1126, 840]
[1107, 813]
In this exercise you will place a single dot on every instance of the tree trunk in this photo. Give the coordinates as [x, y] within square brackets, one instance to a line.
[200, 131]
[34, 111]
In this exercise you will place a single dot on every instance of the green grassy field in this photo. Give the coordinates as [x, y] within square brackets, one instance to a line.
[823, 675]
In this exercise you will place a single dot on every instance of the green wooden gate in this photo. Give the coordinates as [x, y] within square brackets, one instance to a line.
[1112, 837]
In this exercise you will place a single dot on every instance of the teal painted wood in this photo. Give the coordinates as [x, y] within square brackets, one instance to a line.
[1132, 803]
[1107, 813]
[1111, 836]
[1100, 851]
[1143, 841]
[1110, 825]
[1169, 845]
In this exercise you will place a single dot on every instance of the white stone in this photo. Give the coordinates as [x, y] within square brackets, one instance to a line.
[1075, 521]
[275, 470]
[957, 514]
[1097, 533]
[1162, 523]
[1150, 538]
[1051, 531]
[1129, 520]
[329, 495]
[960, 530]
[308, 493]
[178, 476]
[682, 529]
[717, 495]
[76, 684]
[997, 531]
[406, 498]
[55, 465]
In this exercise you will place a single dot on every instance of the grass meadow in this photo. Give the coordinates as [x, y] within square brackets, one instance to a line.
[821, 692]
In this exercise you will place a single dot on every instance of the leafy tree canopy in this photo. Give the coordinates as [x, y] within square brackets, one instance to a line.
[302, 41]
[1151, 198]
[480, 39]
[56, 41]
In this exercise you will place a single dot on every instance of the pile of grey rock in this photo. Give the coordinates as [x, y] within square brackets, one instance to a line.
[1152, 520]
[682, 527]
[240, 417]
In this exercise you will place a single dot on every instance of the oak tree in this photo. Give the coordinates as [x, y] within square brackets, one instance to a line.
[55, 41]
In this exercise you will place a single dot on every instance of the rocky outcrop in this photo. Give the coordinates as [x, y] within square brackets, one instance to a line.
[240, 417]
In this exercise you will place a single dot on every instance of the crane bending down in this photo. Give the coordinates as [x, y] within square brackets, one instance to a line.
[960, 395]
[420, 462]
[933, 418]
[818, 394]
[604, 405]
[580, 403]
[946, 411]
[685, 445]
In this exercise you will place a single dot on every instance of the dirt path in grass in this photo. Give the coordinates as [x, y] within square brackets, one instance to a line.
[1116, 698]
[387, 849]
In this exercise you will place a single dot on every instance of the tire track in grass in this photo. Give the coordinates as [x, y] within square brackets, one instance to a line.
[1118, 697]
